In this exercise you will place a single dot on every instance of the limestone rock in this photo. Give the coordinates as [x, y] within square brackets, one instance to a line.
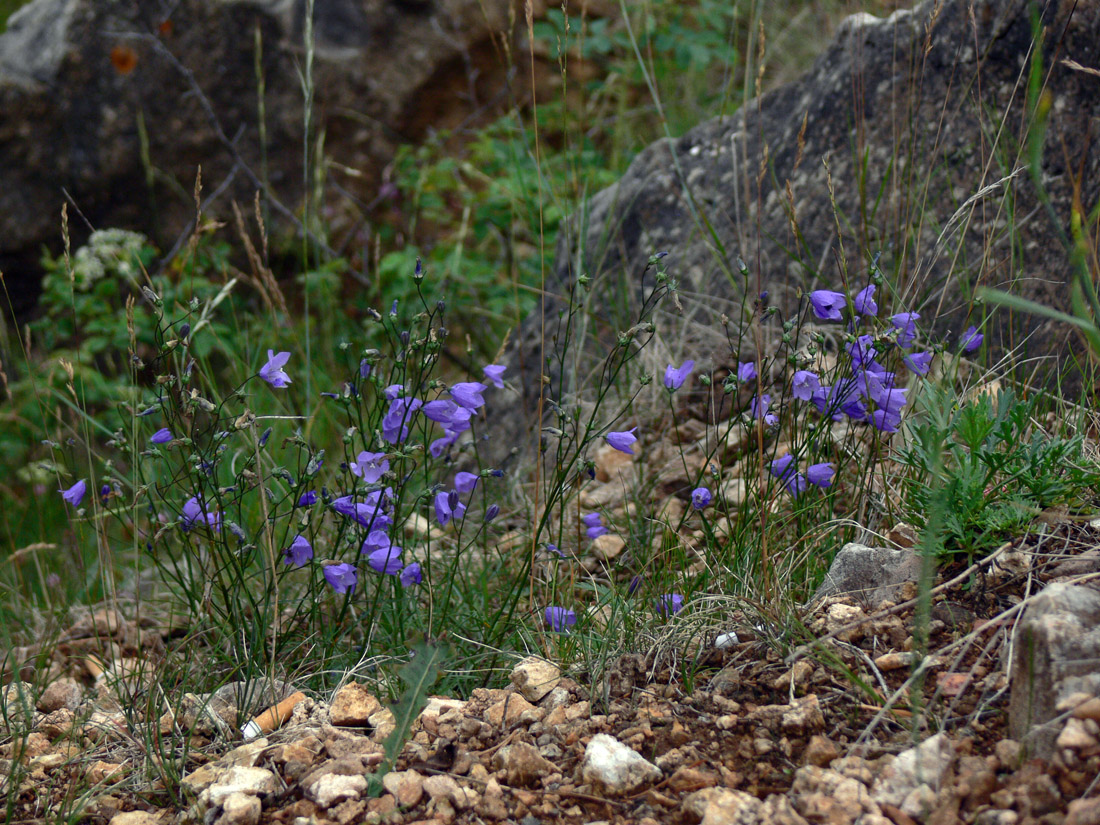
[332, 788]
[407, 787]
[822, 795]
[691, 779]
[1060, 627]
[534, 678]
[803, 716]
[616, 769]
[353, 705]
[255, 781]
[239, 809]
[58, 723]
[820, 751]
[250, 698]
[382, 724]
[1083, 812]
[106, 772]
[446, 788]
[925, 764]
[612, 465]
[722, 806]
[522, 764]
[207, 714]
[510, 710]
[16, 701]
[607, 546]
[871, 574]
[135, 818]
[437, 710]
[64, 694]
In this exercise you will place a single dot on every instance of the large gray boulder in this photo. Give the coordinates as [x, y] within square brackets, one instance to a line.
[82, 80]
[1055, 654]
[909, 136]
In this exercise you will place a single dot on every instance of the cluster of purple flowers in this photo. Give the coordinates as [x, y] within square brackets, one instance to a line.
[594, 527]
[786, 470]
[449, 504]
[374, 509]
[869, 394]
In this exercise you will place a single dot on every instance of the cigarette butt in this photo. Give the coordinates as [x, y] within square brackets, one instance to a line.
[272, 718]
[95, 666]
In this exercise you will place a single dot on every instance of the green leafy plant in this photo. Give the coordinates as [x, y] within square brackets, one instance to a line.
[418, 676]
[989, 469]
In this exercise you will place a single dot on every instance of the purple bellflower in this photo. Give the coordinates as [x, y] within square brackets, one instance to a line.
[441, 411]
[804, 384]
[970, 340]
[783, 468]
[669, 604]
[75, 494]
[820, 475]
[797, 485]
[918, 362]
[621, 441]
[272, 372]
[370, 466]
[906, 325]
[341, 577]
[386, 560]
[161, 436]
[368, 513]
[675, 376]
[746, 371]
[376, 540]
[440, 445]
[195, 511]
[411, 575]
[559, 619]
[701, 497]
[827, 305]
[465, 482]
[758, 407]
[494, 374]
[468, 394]
[863, 352]
[448, 506]
[864, 302]
[594, 525]
[395, 423]
[299, 552]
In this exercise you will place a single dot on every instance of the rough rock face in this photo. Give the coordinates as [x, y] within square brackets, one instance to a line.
[1054, 652]
[82, 81]
[874, 574]
[905, 119]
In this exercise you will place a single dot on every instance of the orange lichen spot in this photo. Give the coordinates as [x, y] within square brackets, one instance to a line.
[124, 59]
[164, 28]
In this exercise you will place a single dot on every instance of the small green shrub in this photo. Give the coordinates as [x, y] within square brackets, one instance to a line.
[993, 467]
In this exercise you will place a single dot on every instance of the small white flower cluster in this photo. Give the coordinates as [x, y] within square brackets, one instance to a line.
[107, 251]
